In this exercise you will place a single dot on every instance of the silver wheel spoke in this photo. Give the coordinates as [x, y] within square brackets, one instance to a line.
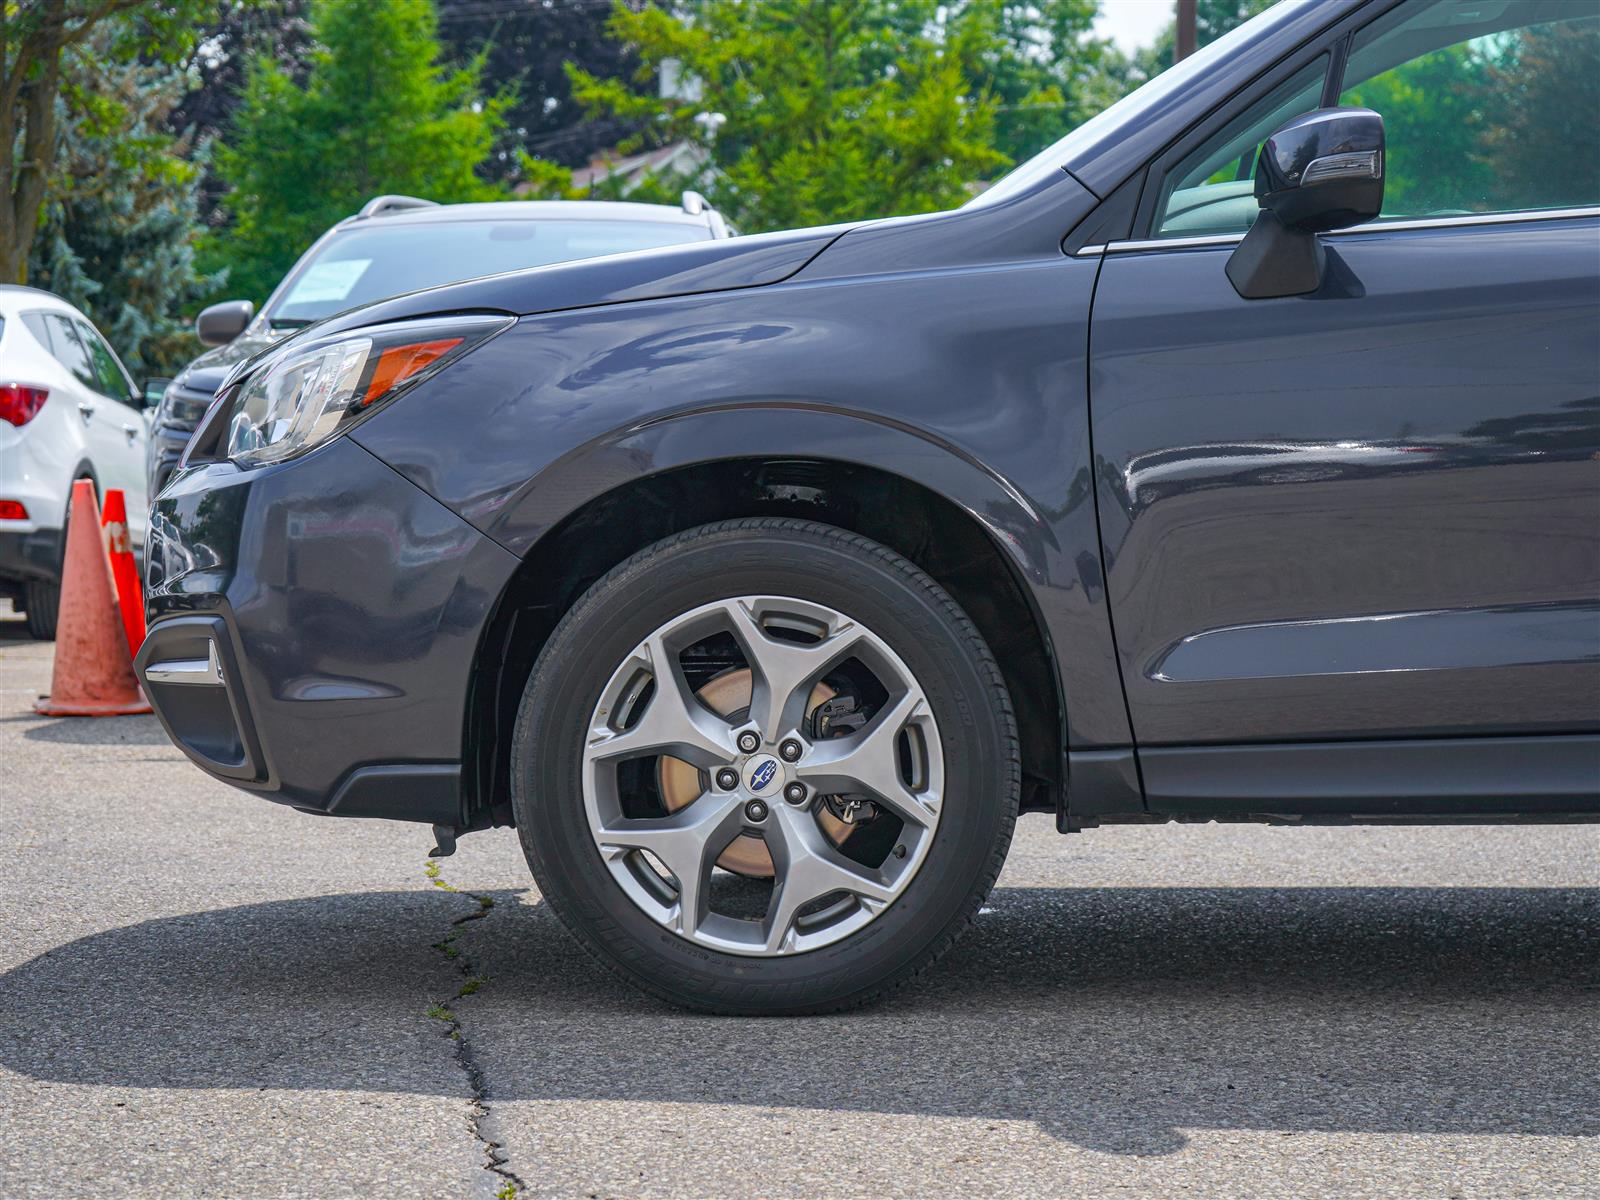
[784, 672]
[686, 843]
[869, 762]
[673, 721]
[809, 868]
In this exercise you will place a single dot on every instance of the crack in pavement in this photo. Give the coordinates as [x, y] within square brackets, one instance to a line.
[496, 1161]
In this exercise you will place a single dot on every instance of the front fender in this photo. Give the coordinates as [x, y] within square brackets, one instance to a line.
[968, 382]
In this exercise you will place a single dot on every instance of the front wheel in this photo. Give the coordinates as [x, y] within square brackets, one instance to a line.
[765, 766]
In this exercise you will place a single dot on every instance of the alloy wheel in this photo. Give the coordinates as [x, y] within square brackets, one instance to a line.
[763, 775]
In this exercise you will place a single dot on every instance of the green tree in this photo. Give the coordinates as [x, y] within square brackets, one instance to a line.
[1543, 144]
[118, 231]
[1039, 61]
[1500, 122]
[34, 37]
[377, 112]
[808, 111]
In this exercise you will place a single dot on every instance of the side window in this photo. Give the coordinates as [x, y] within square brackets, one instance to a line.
[113, 380]
[36, 325]
[1486, 108]
[1213, 189]
[69, 351]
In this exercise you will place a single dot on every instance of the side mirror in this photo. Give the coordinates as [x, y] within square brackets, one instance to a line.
[1321, 171]
[150, 392]
[221, 323]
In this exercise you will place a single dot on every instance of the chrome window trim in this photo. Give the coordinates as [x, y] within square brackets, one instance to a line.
[1229, 239]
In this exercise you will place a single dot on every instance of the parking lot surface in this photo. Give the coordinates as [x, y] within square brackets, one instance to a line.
[202, 994]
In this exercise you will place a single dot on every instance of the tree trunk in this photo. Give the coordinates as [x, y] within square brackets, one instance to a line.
[31, 83]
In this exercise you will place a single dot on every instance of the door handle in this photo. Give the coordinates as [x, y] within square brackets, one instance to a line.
[85, 410]
[132, 431]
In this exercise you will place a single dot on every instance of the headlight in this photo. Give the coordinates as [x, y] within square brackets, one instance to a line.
[313, 389]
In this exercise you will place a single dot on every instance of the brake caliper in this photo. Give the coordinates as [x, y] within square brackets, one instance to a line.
[834, 718]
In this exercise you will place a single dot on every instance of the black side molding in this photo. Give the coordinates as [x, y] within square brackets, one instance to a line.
[1514, 778]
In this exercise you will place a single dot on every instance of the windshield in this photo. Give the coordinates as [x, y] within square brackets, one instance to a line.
[1139, 104]
[370, 262]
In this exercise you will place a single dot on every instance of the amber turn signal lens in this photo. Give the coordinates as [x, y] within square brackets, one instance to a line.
[399, 363]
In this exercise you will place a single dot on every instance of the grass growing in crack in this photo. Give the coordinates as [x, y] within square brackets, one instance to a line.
[494, 1154]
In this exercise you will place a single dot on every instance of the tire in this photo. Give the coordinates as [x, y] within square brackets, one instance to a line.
[43, 603]
[964, 724]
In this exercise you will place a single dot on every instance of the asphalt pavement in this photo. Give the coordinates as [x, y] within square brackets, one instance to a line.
[203, 994]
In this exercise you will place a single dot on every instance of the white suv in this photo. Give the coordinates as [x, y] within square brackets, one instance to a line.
[68, 411]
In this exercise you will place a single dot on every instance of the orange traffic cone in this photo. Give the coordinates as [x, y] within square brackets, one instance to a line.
[93, 675]
[124, 571]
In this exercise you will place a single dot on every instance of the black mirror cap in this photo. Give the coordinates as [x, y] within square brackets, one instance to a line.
[1323, 170]
[221, 323]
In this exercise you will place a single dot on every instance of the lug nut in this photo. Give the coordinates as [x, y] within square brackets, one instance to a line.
[727, 779]
[795, 793]
[755, 812]
[790, 750]
[749, 742]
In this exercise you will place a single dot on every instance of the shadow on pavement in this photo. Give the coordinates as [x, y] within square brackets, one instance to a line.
[94, 731]
[1113, 1018]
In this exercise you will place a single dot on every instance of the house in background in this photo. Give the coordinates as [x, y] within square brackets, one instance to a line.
[627, 171]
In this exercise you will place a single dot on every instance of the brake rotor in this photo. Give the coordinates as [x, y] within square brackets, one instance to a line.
[680, 783]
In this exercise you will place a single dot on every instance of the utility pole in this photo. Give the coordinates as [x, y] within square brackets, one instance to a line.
[1186, 30]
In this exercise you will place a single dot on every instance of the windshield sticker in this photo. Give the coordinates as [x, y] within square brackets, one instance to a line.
[325, 281]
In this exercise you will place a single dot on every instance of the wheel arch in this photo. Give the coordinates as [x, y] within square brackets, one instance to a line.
[965, 526]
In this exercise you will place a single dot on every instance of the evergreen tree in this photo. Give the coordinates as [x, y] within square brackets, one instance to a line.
[218, 67]
[375, 113]
[526, 45]
[117, 238]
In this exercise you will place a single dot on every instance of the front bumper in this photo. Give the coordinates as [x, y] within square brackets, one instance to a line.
[313, 627]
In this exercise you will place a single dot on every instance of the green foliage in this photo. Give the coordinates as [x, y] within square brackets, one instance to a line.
[1544, 144]
[833, 110]
[118, 228]
[1038, 61]
[376, 113]
[1495, 124]
[1433, 117]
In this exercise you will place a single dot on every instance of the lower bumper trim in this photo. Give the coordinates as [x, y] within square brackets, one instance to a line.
[428, 792]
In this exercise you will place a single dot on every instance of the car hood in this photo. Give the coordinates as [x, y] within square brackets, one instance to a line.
[206, 373]
[713, 266]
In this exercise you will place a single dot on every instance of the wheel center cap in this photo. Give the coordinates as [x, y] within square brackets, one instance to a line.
[763, 775]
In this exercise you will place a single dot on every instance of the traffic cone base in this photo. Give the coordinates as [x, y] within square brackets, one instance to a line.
[93, 672]
[47, 707]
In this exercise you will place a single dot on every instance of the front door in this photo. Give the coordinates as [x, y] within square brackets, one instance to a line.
[1371, 511]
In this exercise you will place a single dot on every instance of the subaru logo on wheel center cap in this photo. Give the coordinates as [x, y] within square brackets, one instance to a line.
[761, 776]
